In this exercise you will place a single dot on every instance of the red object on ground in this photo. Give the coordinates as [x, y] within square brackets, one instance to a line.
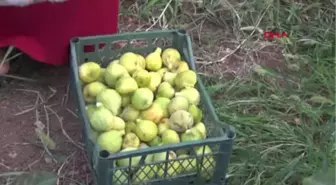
[43, 31]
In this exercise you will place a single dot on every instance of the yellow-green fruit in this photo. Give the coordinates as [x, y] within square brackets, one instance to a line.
[130, 114]
[90, 109]
[153, 60]
[115, 61]
[91, 90]
[89, 72]
[153, 113]
[191, 94]
[192, 134]
[208, 164]
[113, 72]
[125, 162]
[165, 90]
[156, 141]
[111, 100]
[142, 98]
[170, 57]
[120, 177]
[163, 102]
[178, 103]
[125, 100]
[185, 79]
[196, 113]
[126, 85]
[202, 129]
[130, 61]
[146, 130]
[141, 61]
[155, 81]
[170, 137]
[130, 127]
[163, 125]
[142, 77]
[101, 119]
[119, 124]
[180, 67]
[180, 121]
[174, 167]
[131, 140]
[162, 71]
[110, 141]
[189, 164]
[101, 77]
[169, 77]
[144, 174]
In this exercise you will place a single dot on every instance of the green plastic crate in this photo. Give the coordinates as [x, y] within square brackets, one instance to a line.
[206, 169]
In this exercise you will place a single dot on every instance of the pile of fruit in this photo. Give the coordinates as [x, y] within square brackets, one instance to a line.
[138, 102]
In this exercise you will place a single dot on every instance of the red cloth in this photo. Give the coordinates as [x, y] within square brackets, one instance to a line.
[43, 31]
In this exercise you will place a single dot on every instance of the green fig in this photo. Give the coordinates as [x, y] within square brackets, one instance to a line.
[178, 103]
[146, 130]
[144, 174]
[113, 72]
[162, 71]
[125, 162]
[170, 137]
[153, 113]
[154, 61]
[196, 113]
[141, 61]
[155, 81]
[191, 94]
[142, 98]
[90, 109]
[102, 75]
[142, 77]
[130, 61]
[165, 90]
[101, 119]
[174, 167]
[185, 79]
[119, 124]
[131, 140]
[170, 57]
[169, 77]
[89, 72]
[189, 164]
[130, 114]
[110, 141]
[120, 177]
[163, 125]
[180, 67]
[163, 102]
[181, 121]
[91, 90]
[130, 127]
[125, 100]
[192, 134]
[208, 164]
[156, 141]
[126, 85]
[111, 100]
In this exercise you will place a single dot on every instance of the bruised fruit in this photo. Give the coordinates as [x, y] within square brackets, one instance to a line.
[170, 137]
[153, 60]
[125, 162]
[110, 141]
[180, 67]
[113, 72]
[142, 77]
[196, 113]
[162, 71]
[129, 113]
[119, 124]
[131, 141]
[191, 94]
[153, 113]
[91, 90]
[146, 130]
[178, 103]
[191, 135]
[169, 77]
[126, 85]
[170, 57]
[165, 90]
[163, 125]
[130, 127]
[89, 72]
[185, 79]
[155, 81]
[130, 61]
[111, 100]
[142, 98]
[156, 141]
[163, 102]
[181, 121]
[101, 119]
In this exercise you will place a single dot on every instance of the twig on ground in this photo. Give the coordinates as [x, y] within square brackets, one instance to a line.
[62, 166]
[160, 16]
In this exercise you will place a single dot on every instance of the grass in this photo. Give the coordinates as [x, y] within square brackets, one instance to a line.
[285, 119]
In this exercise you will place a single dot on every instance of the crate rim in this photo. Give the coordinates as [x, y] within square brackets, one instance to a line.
[228, 137]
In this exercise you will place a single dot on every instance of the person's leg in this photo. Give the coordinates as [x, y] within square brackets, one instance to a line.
[4, 68]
